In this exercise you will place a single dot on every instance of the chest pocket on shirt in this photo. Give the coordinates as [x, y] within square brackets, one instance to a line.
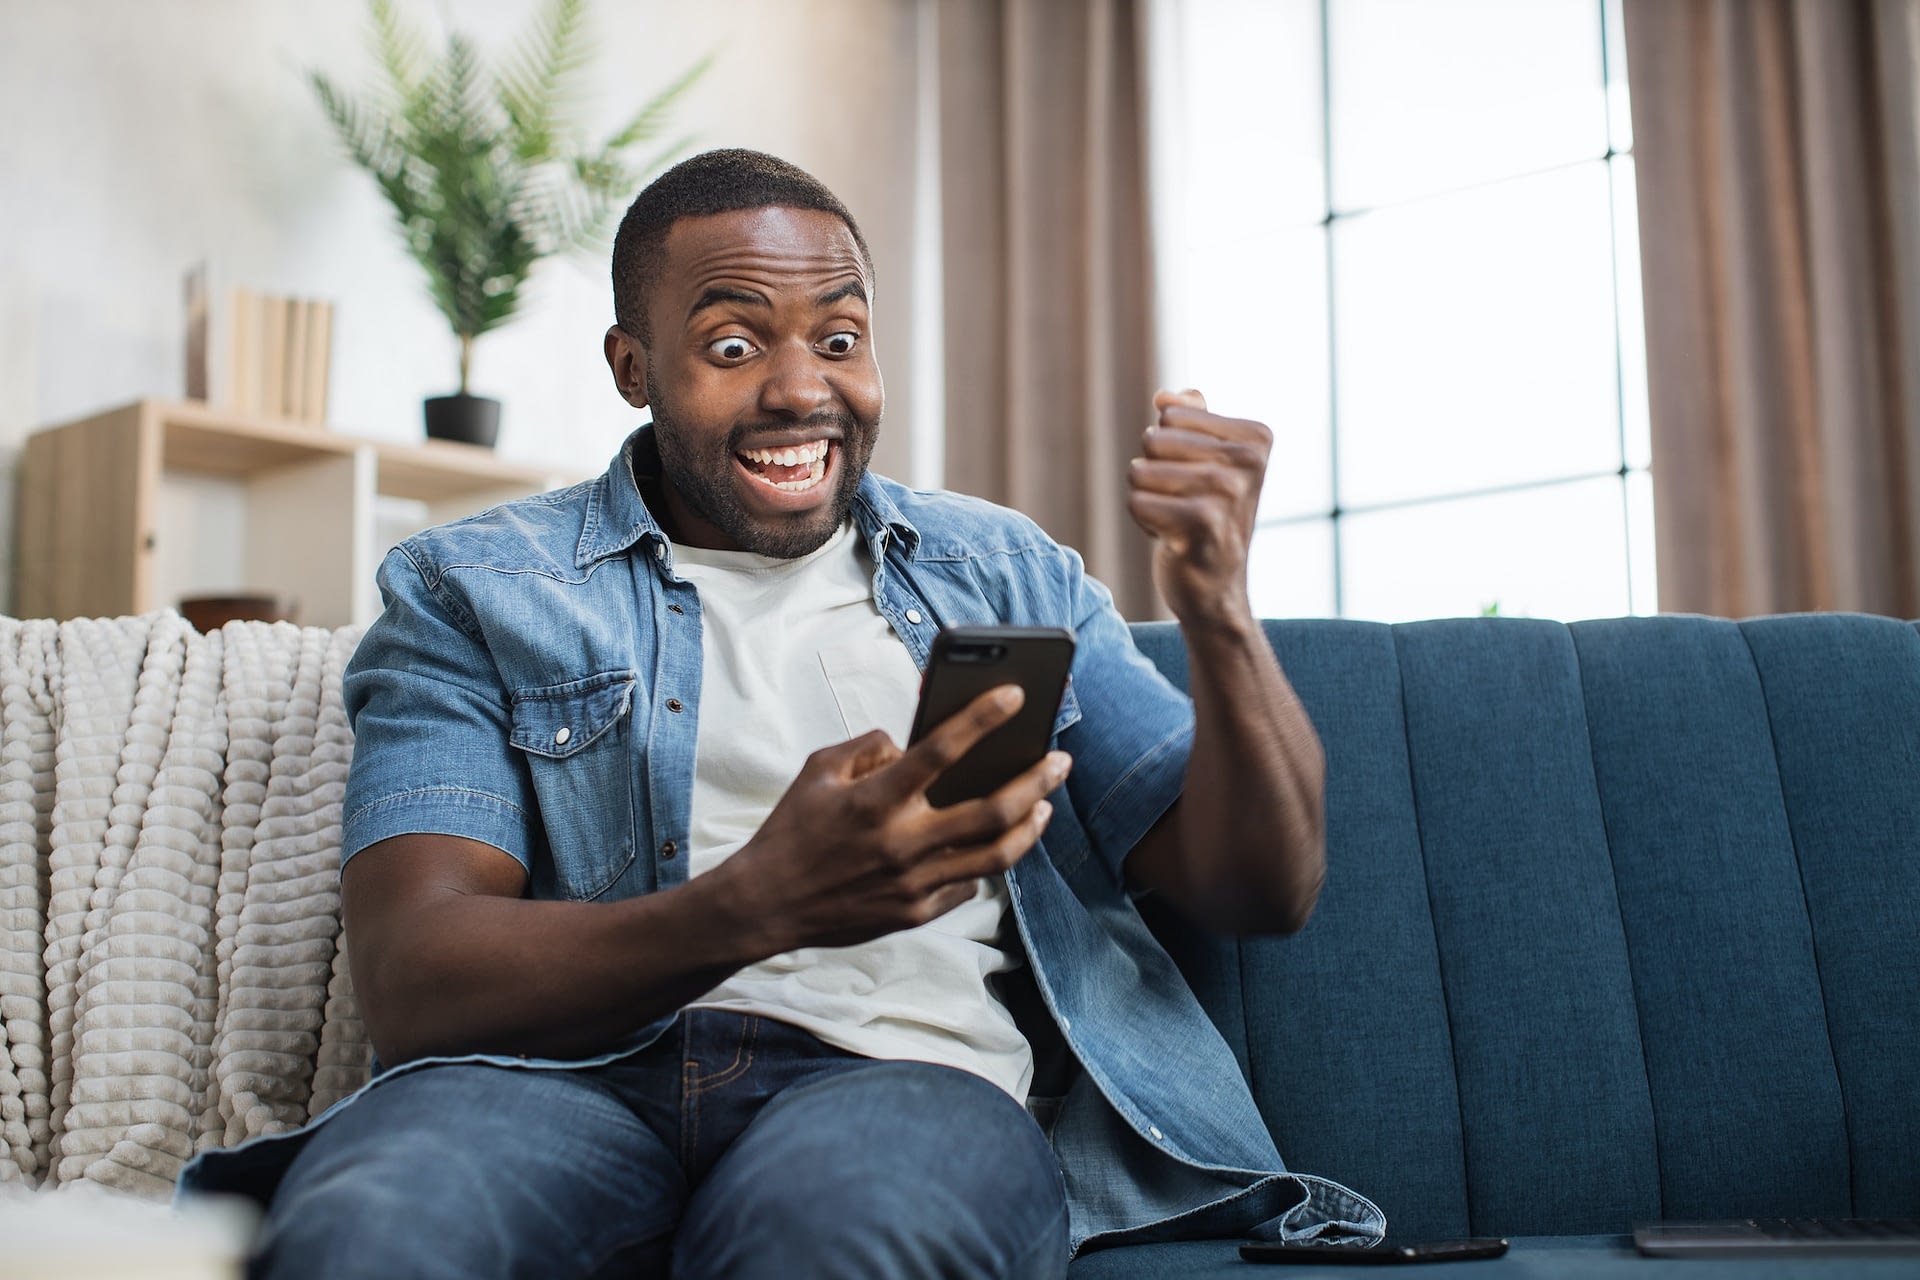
[576, 739]
[874, 689]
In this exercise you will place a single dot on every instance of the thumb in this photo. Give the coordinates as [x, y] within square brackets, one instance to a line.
[1191, 398]
[857, 757]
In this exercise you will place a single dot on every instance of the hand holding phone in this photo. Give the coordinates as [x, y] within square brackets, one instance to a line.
[853, 849]
[968, 661]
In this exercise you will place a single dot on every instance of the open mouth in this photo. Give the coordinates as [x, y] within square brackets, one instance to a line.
[792, 469]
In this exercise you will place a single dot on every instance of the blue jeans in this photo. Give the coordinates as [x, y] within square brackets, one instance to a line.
[732, 1146]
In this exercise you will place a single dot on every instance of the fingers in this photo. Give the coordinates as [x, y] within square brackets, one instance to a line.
[1202, 460]
[855, 758]
[1208, 436]
[952, 868]
[1182, 523]
[1181, 463]
[973, 821]
[1190, 451]
[939, 864]
[928, 758]
[1198, 529]
[1185, 479]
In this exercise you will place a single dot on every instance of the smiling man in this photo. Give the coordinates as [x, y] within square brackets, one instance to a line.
[670, 966]
[767, 464]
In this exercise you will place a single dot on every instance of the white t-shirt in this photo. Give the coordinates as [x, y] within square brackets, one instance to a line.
[797, 657]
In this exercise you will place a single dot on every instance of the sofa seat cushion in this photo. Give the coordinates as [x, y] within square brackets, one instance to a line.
[1547, 1257]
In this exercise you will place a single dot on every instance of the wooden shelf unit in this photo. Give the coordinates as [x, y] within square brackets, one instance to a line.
[91, 541]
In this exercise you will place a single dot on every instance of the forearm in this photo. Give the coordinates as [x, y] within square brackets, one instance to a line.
[1244, 848]
[1251, 818]
[484, 973]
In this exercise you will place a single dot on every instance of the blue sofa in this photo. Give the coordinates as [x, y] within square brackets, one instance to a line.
[1622, 923]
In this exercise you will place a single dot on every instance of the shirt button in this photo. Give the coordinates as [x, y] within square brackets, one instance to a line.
[659, 551]
[674, 608]
[668, 849]
[913, 616]
[1157, 1135]
[560, 738]
[674, 704]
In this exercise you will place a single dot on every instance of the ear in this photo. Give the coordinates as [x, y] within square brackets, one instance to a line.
[628, 360]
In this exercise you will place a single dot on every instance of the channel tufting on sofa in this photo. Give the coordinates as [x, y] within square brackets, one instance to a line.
[1622, 922]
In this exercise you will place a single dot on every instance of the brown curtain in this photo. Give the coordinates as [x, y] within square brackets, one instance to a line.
[1778, 189]
[1048, 271]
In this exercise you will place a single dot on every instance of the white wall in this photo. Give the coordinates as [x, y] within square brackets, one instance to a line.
[138, 137]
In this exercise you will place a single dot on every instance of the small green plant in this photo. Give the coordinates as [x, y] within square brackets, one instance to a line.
[484, 168]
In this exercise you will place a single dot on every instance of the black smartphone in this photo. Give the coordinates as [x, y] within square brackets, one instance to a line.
[968, 661]
[1386, 1253]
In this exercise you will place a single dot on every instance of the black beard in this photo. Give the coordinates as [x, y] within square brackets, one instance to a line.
[705, 481]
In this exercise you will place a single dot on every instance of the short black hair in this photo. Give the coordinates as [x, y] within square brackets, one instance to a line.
[711, 182]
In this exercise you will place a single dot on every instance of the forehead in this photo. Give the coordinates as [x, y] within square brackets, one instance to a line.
[772, 248]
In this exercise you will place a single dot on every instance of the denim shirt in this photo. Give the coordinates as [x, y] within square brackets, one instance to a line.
[534, 683]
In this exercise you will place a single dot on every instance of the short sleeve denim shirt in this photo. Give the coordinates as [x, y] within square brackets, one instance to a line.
[534, 683]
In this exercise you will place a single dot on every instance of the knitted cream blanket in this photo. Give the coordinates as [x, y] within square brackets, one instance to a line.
[171, 977]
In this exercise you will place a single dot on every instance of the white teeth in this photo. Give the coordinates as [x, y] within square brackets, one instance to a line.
[791, 457]
[814, 473]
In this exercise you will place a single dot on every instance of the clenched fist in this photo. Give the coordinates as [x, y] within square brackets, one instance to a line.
[1195, 488]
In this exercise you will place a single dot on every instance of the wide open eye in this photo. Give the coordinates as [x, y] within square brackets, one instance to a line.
[840, 344]
[731, 349]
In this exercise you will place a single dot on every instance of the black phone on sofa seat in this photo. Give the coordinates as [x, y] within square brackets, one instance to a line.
[1388, 1252]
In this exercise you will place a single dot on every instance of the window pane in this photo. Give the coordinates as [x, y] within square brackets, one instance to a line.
[1633, 317]
[1640, 554]
[1290, 570]
[1255, 130]
[1474, 339]
[1557, 551]
[1619, 109]
[1256, 345]
[1429, 97]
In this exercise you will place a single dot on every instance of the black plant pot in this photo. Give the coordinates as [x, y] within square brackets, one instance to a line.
[468, 419]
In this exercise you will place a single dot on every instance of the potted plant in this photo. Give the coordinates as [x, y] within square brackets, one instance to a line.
[486, 173]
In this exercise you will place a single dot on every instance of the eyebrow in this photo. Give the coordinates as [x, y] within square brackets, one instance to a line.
[850, 289]
[721, 293]
[718, 294]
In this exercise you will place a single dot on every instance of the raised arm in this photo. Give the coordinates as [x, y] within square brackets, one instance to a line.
[1244, 848]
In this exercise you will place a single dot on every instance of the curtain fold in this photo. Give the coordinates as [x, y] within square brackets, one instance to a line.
[1048, 291]
[1779, 185]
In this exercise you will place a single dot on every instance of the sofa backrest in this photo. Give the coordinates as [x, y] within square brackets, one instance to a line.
[1622, 922]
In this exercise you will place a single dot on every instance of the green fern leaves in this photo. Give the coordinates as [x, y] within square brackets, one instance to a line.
[484, 165]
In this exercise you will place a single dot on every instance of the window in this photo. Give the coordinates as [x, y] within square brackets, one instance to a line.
[1402, 233]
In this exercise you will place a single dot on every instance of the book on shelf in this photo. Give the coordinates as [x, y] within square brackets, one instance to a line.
[313, 405]
[257, 353]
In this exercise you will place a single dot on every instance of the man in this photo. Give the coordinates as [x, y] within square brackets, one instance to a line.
[669, 962]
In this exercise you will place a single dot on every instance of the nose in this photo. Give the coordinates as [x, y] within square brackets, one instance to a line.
[796, 383]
